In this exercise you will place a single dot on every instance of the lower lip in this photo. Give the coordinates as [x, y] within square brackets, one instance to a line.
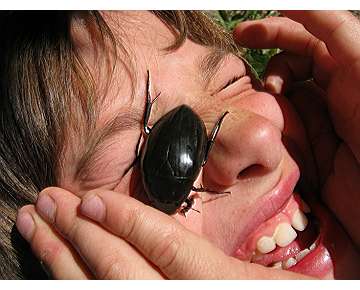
[318, 263]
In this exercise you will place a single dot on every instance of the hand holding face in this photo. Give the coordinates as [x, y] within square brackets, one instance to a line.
[96, 237]
[323, 47]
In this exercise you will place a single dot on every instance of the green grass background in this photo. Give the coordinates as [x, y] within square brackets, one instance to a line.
[258, 58]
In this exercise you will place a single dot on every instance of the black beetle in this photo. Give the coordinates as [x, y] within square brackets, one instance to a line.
[175, 149]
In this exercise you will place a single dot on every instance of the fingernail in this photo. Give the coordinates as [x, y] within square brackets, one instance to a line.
[93, 207]
[25, 225]
[46, 207]
[273, 84]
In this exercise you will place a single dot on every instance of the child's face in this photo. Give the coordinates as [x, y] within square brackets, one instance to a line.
[259, 153]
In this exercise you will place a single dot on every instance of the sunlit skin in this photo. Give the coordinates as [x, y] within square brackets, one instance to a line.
[259, 154]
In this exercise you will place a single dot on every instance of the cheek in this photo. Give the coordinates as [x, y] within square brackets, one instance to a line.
[222, 219]
[262, 104]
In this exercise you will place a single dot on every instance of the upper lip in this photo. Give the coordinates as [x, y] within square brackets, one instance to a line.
[266, 207]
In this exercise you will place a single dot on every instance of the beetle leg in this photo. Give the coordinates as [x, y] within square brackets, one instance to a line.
[212, 136]
[137, 156]
[148, 105]
[187, 205]
[203, 189]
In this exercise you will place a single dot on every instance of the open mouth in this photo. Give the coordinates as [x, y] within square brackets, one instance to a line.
[292, 239]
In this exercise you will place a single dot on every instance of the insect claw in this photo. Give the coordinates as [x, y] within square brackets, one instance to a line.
[153, 101]
[195, 210]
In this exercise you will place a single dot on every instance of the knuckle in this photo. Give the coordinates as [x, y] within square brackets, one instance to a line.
[112, 267]
[72, 231]
[47, 249]
[133, 217]
[91, 192]
[166, 252]
[311, 45]
[67, 224]
[50, 254]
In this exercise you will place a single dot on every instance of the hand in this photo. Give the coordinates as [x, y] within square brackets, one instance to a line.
[325, 47]
[108, 235]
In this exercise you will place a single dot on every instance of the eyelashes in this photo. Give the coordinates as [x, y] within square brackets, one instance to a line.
[230, 82]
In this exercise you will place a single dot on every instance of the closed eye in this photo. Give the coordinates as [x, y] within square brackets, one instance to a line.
[230, 82]
[236, 86]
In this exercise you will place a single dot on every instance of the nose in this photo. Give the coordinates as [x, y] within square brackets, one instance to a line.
[248, 146]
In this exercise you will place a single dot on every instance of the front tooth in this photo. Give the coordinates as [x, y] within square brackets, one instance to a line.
[289, 263]
[284, 234]
[299, 220]
[302, 254]
[265, 245]
[277, 265]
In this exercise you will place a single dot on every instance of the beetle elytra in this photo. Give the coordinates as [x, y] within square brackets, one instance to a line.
[175, 149]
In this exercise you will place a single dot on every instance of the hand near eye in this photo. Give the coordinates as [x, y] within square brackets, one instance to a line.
[108, 235]
[323, 47]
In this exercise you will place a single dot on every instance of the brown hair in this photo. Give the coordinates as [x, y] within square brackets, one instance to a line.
[45, 87]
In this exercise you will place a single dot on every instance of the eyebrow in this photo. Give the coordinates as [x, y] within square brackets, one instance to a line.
[208, 66]
[123, 121]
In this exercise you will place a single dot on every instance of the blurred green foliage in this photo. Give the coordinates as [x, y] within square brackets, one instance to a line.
[258, 58]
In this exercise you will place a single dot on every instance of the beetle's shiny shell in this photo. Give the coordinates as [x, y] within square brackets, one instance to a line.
[172, 157]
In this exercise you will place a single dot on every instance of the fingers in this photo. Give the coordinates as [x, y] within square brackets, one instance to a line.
[177, 252]
[107, 256]
[159, 237]
[344, 105]
[345, 179]
[340, 30]
[308, 100]
[285, 68]
[56, 254]
[292, 37]
[278, 32]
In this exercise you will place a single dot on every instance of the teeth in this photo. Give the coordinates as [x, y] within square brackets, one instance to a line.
[313, 246]
[277, 265]
[265, 245]
[299, 220]
[284, 234]
[302, 254]
[289, 263]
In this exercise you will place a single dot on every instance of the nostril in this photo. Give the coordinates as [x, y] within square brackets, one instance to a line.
[254, 170]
